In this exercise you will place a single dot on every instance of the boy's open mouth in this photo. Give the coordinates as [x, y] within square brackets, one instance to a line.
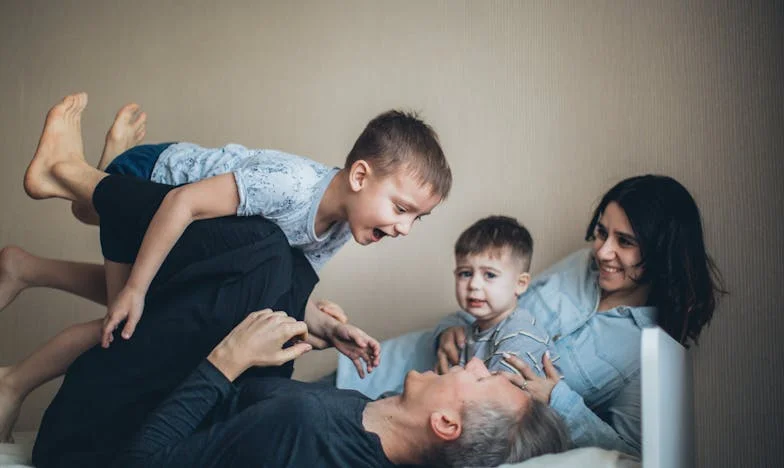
[378, 234]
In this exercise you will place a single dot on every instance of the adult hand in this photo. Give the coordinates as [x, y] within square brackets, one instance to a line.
[128, 306]
[358, 346]
[258, 341]
[539, 387]
[450, 345]
[332, 309]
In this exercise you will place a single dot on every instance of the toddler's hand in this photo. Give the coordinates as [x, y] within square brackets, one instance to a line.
[357, 346]
[128, 306]
[450, 344]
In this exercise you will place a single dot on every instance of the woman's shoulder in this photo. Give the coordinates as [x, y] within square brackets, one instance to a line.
[569, 284]
[575, 267]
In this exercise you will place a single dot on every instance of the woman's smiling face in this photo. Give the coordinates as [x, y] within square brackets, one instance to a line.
[617, 253]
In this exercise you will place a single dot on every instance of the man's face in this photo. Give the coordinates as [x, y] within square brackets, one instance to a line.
[389, 206]
[462, 386]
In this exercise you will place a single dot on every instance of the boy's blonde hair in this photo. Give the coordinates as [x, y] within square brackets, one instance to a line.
[398, 140]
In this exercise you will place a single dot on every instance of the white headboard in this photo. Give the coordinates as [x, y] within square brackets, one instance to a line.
[667, 402]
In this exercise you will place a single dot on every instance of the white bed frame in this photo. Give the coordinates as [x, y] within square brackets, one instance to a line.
[667, 402]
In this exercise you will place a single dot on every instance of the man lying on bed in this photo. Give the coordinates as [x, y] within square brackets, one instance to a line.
[219, 272]
[467, 417]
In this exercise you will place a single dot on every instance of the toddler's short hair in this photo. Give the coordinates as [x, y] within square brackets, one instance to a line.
[398, 139]
[496, 232]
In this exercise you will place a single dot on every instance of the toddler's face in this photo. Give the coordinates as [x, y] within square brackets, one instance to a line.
[487, 285]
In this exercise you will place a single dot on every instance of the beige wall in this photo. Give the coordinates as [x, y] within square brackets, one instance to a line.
[540, 106]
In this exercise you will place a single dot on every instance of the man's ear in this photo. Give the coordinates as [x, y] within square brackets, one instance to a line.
[358, 174]
[522, 284]
[446, 425]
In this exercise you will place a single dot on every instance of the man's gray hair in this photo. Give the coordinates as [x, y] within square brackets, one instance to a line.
[493, 435]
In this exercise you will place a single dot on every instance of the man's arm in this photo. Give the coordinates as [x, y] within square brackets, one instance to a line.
[206, 199]
[169, 435]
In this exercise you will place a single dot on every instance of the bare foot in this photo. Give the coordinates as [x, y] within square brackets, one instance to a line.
[61, 141]
[10, 404]
[128, 129]
[11, 282]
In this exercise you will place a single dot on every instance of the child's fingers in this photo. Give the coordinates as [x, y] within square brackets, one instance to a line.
[360, 369]
[376, 348]
[108, 328]
[130, 326]
[443, 364]
[449, 347]
[460, 337]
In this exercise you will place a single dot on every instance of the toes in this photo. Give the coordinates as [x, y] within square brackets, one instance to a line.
[75, 104]
[69, 101]
[128, 112]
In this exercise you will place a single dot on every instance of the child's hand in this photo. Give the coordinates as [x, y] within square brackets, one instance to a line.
[128, 306]
[450, 345]
[357, 346]
[333, 310]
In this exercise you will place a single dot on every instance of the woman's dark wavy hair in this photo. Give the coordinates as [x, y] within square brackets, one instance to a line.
[685, 283]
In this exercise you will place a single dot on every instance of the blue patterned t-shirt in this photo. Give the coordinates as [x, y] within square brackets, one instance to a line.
[282, 187]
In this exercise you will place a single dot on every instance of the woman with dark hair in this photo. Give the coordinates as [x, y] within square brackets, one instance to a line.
[647, 266]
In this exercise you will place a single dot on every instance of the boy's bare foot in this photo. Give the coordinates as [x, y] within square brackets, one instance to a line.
[127, 131]
[61, 141]
[11, 282]
[10, 404]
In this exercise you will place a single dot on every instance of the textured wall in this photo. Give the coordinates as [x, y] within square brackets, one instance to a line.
[540, 106]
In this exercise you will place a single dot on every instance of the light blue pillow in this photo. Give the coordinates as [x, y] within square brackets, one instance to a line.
[412, 351]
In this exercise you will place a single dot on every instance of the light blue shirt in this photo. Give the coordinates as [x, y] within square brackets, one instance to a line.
[599, 397]
[282, 187]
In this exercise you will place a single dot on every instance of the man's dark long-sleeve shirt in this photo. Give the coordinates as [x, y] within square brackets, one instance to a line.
[263, 422]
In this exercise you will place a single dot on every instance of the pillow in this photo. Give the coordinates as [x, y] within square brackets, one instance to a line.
[412, 351]
[586, 457]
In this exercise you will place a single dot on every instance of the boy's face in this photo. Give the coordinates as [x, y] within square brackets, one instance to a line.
[488, 284]
[386, 206]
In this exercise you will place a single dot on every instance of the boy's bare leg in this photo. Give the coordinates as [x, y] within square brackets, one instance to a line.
[58, 168]
[20, 270]
[127, 131]
[44, 364]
